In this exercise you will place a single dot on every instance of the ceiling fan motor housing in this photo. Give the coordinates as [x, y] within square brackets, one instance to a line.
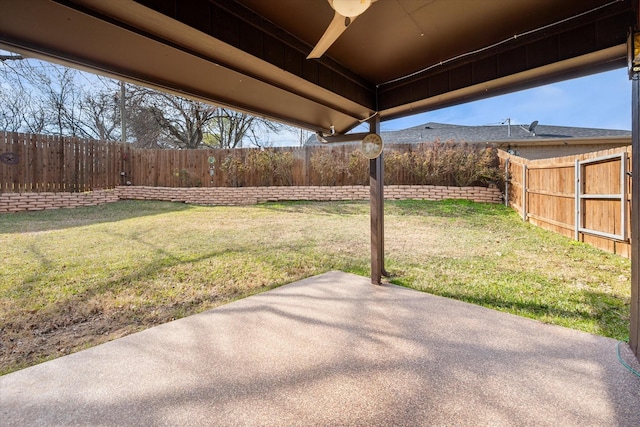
[350, 8]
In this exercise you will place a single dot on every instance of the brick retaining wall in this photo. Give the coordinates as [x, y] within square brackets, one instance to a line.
[15, 202]
[253, 195]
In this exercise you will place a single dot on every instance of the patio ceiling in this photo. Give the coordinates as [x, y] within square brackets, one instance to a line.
[400, 57]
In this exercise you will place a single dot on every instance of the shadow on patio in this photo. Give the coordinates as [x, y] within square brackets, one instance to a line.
[334, 350]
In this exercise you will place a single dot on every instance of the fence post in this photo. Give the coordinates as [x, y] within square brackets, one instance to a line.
[623, 195]
[577, 193]
[524, 192]
[506, 182]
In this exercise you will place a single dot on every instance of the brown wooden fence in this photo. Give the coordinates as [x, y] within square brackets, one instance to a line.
[35, 163]
[244, 167]
[586, 197]
[313, 165]
[38, 163]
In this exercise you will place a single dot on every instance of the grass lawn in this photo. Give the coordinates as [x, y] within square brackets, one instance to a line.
[74, 278]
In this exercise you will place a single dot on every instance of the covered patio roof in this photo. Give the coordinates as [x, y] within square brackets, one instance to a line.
[399, 57]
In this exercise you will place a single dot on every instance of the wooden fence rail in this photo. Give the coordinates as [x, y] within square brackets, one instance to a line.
[39, 163]
[251, 167]
[586, 197]
[36, 163]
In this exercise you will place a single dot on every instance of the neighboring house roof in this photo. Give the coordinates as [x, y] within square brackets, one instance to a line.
[430, 132]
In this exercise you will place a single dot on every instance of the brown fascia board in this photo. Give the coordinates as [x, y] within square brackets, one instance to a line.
[604, 60]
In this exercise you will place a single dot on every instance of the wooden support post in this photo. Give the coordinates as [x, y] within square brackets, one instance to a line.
[376, 202]
[634, 333]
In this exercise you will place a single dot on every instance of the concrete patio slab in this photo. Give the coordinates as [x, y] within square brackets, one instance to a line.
[335, 350]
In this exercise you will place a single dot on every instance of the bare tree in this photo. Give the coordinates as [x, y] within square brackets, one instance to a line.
[142, 128]
[100, 113]
[20, 108]
[176, 122]
[185, 123]
[17, 113]
[39, 97]
[233, 129]
[62, 100]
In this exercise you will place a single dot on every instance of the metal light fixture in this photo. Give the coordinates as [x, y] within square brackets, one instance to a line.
[372, 146]
[351, 8]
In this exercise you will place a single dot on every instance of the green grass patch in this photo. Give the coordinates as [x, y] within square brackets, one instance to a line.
[73, 278]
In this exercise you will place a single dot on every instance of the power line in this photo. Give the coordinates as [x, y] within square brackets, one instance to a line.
[501, 42]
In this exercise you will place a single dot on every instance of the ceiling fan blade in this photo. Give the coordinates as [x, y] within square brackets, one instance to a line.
[337, 26]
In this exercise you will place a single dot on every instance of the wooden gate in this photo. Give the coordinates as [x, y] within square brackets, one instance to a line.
[586, 197]
[601, 197]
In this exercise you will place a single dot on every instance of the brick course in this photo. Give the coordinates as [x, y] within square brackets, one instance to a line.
[16, 202]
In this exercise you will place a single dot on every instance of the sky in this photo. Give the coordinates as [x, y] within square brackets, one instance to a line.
[597, 101]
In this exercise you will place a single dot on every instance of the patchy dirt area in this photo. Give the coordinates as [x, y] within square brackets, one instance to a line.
[25, 342]
[39, 336]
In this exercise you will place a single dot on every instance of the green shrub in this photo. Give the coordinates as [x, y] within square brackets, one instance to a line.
[328, 166]
[233, 169]
[450, 164]
[187, 178]
[270, 166]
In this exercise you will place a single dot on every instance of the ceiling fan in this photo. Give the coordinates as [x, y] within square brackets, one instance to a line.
[346, 11]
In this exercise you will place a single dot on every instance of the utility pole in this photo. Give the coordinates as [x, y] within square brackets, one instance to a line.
[508, 122]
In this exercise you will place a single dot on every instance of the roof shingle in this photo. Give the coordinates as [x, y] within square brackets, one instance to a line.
[430, 132]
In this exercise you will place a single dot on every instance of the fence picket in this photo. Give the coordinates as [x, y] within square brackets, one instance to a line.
[550, 188]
